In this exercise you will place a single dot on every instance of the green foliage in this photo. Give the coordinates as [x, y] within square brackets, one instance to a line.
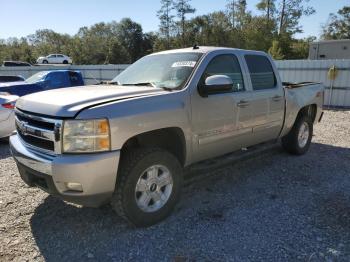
[131, 37]
[268, 7]
[275, 50]
[237, 27]
[102, 43]
[301, 47]
[121, 42]
[166, 19]
[338, 26]
[289, 14]
[183, 7]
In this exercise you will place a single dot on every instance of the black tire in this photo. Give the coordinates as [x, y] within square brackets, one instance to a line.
[65, 62]
[4, 140]
[45, 62]
[290, 141]
[132, 166]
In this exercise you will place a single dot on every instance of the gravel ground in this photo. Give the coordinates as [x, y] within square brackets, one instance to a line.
[273, 207]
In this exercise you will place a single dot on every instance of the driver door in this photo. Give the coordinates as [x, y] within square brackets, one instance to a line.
[218, 121]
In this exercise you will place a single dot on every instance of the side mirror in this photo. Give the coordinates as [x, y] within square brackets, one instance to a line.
[216, 84]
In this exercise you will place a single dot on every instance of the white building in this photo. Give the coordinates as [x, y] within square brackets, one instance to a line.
[330, 49]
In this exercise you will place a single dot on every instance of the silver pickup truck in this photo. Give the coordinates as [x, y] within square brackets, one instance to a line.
[127, 143]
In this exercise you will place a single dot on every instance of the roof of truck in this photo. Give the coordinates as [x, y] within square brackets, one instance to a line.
[203, 49]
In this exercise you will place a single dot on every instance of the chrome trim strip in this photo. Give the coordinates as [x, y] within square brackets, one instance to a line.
[38, 118]
[31, 131]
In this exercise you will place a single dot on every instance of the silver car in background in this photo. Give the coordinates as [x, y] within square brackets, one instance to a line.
[7, 116]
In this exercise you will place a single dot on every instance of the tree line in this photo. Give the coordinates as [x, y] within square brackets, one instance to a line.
[271, 28]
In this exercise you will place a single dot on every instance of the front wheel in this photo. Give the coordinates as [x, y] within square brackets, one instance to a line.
[45, 62]
[148, 186]
[298, 140]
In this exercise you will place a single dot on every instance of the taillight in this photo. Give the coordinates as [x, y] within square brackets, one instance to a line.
[8, 105]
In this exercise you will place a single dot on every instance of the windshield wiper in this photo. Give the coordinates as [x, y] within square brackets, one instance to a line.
[114, 83]
[150, 84]
[144, 84]
[140, 84]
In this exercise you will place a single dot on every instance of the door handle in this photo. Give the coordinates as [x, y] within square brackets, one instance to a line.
[276, 98]
[243, 103]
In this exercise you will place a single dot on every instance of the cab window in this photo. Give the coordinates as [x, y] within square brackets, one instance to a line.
[261, 72]
[74, 78]
[56, 80]
[226, 65]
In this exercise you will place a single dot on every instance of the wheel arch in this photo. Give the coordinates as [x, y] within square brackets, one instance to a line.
[171, 139]
[309, 110]
[291, 118]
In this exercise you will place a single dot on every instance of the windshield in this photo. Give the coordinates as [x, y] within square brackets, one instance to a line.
[36, 77]
[164, 70]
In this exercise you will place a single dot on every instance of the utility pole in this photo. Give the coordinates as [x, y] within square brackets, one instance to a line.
[282, 16]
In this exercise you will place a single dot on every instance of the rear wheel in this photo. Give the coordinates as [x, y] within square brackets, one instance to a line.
[148, 187]
[298, 140]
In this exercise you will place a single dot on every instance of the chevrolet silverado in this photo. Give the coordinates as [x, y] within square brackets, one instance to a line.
[128, 142]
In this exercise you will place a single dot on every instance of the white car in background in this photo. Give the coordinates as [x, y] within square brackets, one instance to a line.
[54, 59]
[7, 116]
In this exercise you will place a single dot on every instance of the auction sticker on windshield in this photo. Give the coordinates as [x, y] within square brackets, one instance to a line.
[184, 63]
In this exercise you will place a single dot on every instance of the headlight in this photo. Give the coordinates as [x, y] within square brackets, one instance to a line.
[86, 136]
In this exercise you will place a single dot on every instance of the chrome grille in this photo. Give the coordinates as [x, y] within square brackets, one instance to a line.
[40, 133]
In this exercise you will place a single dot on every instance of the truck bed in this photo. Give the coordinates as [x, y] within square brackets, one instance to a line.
[290, 85]
[299, 95]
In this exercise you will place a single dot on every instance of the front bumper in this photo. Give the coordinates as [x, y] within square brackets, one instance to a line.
[96, 173]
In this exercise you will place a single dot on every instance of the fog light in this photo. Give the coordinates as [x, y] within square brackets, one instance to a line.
[74, 186]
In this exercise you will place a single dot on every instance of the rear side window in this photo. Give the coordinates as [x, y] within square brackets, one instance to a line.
[226, 65]
[261, 72]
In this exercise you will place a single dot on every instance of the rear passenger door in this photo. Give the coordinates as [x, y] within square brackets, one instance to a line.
[59, 59]
[267, 99]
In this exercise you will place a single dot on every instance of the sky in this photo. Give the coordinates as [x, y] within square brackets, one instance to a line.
[23, 17]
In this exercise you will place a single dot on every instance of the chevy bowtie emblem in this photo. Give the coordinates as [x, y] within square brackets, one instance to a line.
[22, 126]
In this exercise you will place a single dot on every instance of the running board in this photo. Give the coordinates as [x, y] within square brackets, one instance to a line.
[197, 170]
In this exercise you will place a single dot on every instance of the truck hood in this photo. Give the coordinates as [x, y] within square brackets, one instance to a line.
[67, 102]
